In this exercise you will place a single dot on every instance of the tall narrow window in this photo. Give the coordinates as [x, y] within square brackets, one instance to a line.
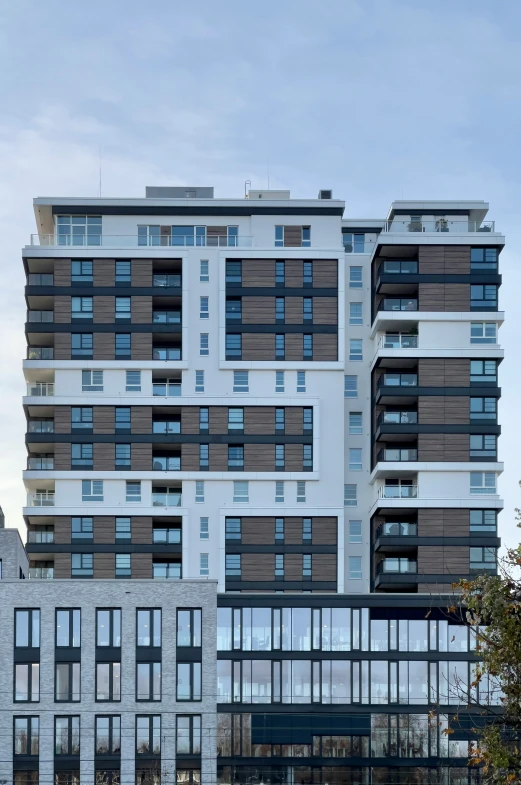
[204, 532]
[280, 309]
[204, 275]
[279, 565]
[307, 530]
[148, 681]
[307, 270]
[355, 568]
[279, 530]
[133, 491]
[280, 273]
[307, 347]
[204, 419]
[123, 309]
[27, 682]
[108, 681]
[240, 381]
[148, 735]
[189, 686]
[355, 277]
[204, 346]
[279, 457]
[149, 627]
[355, 531]
[280, 346]
[355, 313]
[123, 529]
[279, 381]
[301, 381]
[307, 457]
[199, 381]
[355, 423]
[67, 682]
[301, 491]
[26, 736]
[350, 386]
[355, 459]
[108, 627]
[204, 307]
[189, 627]
[350, 495]
[279, 492]
[204, 456]
[27, 628]
[133, 381]
[355, 349]
[240, 491]
[307, 309]
[306, 565]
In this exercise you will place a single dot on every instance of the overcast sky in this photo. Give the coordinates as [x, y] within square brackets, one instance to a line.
[377, 99]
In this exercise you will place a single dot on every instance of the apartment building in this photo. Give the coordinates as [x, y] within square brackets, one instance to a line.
[300, 406]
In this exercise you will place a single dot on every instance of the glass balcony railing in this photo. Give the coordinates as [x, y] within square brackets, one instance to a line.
[166, 317]
[166, 389]
[398, 380]
[396, 529]
[40, 353]
[398, 304]
[40, 279]
[41, 572]
[166, 354]
[166, 571]
[40, 426]
[397, 418]
[396, 267]
[166, 426]
[40, 389]
[404, 225]
[38, 463]
[398, 492]
[397, 565]
[398, 341]
[41, 499]
[166, 280]
[166, 536]
[166, 499]
[40, 316]
[40, 538]
[91, 239]
[163, 463]
[397, 454]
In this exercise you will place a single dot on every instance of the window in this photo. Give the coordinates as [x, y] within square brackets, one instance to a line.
[279, 236]
[108, 735]
[122, 456]
[199, 381]
[279, 381]
[123, 309]
[235, 457]
[241, 381]
[355, 277]
[307, 419]
[279, 456]
[355, 459]
[148, 735]
[280, 273]
[81, 309]
[132, 491]
[204, 273]
[307, 529]
[148, 681]
[279, 491]
[355, 313]
[68, 628]
[123, 569]
[483, 297]
[188, 735]
[203, 308]
[280, 346]
[483, 332]
[350, 499]
[307, 309]
[234, 272]
[235, 419]
[307, 457]
[279, 530]
[82, 528]
[350, 386]
[149, 627]
[122, 345]
[81, 272]
[82, 565]
[234, 308]
[306, 565]
[27, 628]
[355, 568]
[301, 381]
[188, 681]
[307, 273]
[81, 456]
[353, 243]
[483, 259]
[483, 446]
[482, 482]
[133, 381]
[355, 349]
[233, 565]
[483, 408]
[81, 345]
[355, 422]
[108, 681]
[92, 490]
[26, 735]
[204, 346]
[203, 564]
[241, 491]
[307, 347]
[123, 531]
[189, 626]
[204, 456]
[204, 532]
[233, 346]
[483, 558]
[122, 419]
[279, 565]
[67, 735]
[233, 529]
[123, 272]
[301, 492]
[355, 531]
[67, 682]
[199, 491]
[280, 309]
[81, 418]
[483, 520]
[92, 381]
[204, 419]
[108, 627]
[27, 682]
[306, 236]
[483, 371]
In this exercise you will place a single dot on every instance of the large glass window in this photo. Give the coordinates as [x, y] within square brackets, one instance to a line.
[27, 682]
[149, 627]
[68, 628]
[81, 308]
[108, 627]
[148, 681]
[26, 735]
[82, 528]
[483, 371]
[81, 418]
[82, 565]
[189, 681]
[81, 272]
[483, 520]
[108, 681]
[67, 682]
[27, 628]
[148, 734]
[108, 734]
[189, 624]
[483, 259]
[67, 735]
[79, 230]
[188, 734]
[483, 332]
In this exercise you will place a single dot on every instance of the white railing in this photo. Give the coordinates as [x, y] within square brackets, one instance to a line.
[40, 499]
[40, 389]
[398, 492]
[458, 226]
[398, 341]
[133, 241]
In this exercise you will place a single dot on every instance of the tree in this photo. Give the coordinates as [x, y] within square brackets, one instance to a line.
[492, 603]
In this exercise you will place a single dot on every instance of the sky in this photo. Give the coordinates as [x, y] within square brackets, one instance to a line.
[376, 99]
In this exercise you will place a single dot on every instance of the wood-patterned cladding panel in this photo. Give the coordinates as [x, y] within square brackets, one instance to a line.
[443, 447]
[444, 260]
[62, 346]
[437, 372]
[62, 272]
[141, 310]
[141, 346]
[141, 272]
[258, 420]
[258, 346]
[453, 560]
[323, 567]
[104, 310]
[444, 297]
[104, 272]
[258, 310]
[141, 419]
[103, 419]
[141, 565]
[62, 309]
[104, 457]
[104, 530]
[443, 522]
[258, 273]
[62, 419]
[104, 346]
[258, 567]
[141, 457]
[325, 310]
[62, 565]
[440, 410]
[259, 457]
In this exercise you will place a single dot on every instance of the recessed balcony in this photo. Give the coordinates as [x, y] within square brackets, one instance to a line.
[396, 536]
[419, 225]
[396, 573]
[398, 454]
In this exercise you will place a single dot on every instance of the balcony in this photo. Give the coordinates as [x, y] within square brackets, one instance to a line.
[419, 225]
[166, 317]
[40, 537]
[167, 570]
[40, 316]
[40, 279]
[40, 499]
[397, 454]
[398, 380]
[398, 304]
[166, 389]
[166, 353]
[396, 529]
[166, 280]
[166, 536]
[397, 566]
[40, 389]
[398, 341]
[40, 426]
[398, 492]
[397, 418]
[166, 463]
[166, 426]
[40, 462]
[41, 573]
[40, 353]
[166, 498]
[398, 267]
[93, 240]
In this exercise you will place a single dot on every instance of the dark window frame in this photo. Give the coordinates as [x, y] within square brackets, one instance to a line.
[195, 626]
[71, 624]
[112, 637]
[152, 627]
[110, 735]
[194, 667]
[150, 697]
[30, 622]
[29, 735]
[70, 732]
[111, 698]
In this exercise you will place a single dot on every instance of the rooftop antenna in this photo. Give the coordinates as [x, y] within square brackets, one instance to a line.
[268, 171]
[246, 183]
[100, 172]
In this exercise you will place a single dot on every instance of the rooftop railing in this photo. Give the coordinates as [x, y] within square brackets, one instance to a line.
[419, 225]
[134, 241]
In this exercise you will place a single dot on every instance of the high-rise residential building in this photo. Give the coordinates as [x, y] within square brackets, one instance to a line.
[299, 406]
